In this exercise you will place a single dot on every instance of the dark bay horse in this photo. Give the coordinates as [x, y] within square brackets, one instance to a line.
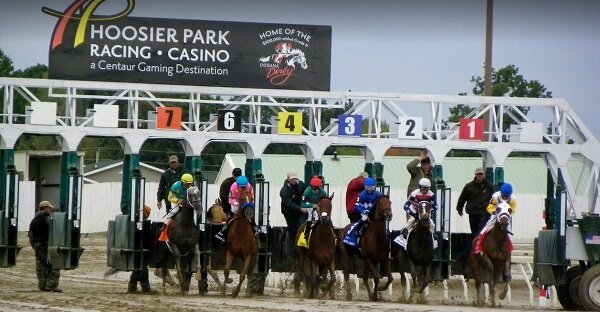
[183, 237]
[417, 257]
[374, 249]
[489, 266]
[241, 243]
[320, 253]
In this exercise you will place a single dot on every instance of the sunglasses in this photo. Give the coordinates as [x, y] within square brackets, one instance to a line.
[370, 188]
[480, 173]
[314, 187]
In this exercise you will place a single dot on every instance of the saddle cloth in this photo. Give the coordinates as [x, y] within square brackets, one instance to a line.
[164, 237]
[400, 240]
[479, 243]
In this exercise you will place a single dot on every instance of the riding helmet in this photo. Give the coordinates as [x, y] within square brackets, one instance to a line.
[370, 182]
[242, 181]
[506, 189]
[424, 182]
[187, 178]
[316, 182]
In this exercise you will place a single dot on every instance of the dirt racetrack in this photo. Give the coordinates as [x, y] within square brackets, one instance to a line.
[85, 289]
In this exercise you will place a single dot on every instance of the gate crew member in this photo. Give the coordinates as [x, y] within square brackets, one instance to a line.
[167, 179]
[39, 230]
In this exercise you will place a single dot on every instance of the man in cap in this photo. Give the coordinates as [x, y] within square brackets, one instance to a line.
[39, 230]
[474, 198]
[167, 179]
[225, 187]
[417, 173]
[355, 186]
[291, 198]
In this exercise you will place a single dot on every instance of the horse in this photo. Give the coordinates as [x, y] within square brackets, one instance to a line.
[240, 242]
[320, 253]
[374, 248]
[488, 266]
[183, 237]
[296, 56]
[216, 214]
[417, 257]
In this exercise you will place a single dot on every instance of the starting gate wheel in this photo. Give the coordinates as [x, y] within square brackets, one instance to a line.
[589, 288]
[568, 293]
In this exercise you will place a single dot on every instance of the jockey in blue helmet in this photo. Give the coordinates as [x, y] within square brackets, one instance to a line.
[365, 202]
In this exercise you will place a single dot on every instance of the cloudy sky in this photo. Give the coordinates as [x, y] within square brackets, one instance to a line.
[416, 46]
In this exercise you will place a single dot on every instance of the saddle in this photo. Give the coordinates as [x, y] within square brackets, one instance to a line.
[352, 239]
[402, 240]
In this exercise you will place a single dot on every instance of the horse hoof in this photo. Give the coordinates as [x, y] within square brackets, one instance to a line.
[349, 297]
[229, 280]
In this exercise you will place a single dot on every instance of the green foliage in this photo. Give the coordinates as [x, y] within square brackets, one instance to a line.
[6, 65]
[506, 81]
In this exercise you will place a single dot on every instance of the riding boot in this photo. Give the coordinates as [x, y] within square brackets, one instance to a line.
[164, 225]
[307, 229]
[404, 233]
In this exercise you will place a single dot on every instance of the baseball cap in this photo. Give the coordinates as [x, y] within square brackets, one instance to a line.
[173, 158]
[479, 170]
[292, 175]
[45, 203]
[363, 175]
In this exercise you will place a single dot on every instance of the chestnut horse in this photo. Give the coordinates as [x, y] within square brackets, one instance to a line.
[417, 257]
[320, 253]
[241, 242]
[374, 248]
[488, 267]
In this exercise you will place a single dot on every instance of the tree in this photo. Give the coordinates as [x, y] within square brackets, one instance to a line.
[505, 82]
[6, 65]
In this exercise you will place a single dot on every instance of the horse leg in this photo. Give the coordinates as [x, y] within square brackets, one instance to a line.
[332, 280]
[228, 261]
[479, 297]
[311, 282]
[403, 295]
[243, 274]
[369, 270]
[346, 269]
[387, 270]
[299, 274]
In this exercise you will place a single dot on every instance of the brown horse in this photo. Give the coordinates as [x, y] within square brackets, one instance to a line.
[488, 267]
[241, 242]
[320, 253]
[216, 214]
[374, 248]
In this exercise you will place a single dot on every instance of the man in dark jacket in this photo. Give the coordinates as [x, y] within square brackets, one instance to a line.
[476, 194]
[38, 238]
[167, 178]
[291, 197]
[224, 190]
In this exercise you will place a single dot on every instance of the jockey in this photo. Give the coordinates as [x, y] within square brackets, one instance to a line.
[310, 200]
[505, 195]
[241, 191]
[177, 194]
[423, 193]
[365, 201]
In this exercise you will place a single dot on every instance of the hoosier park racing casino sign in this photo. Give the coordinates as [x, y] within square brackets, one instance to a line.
[188, 52]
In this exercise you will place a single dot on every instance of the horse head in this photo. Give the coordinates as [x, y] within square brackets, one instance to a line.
[383, 208]
[325, 208]
[297, 56]
[503, 216]
[194, 198]
[424, 211]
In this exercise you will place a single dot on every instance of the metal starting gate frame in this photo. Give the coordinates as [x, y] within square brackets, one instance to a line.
[386, 115]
